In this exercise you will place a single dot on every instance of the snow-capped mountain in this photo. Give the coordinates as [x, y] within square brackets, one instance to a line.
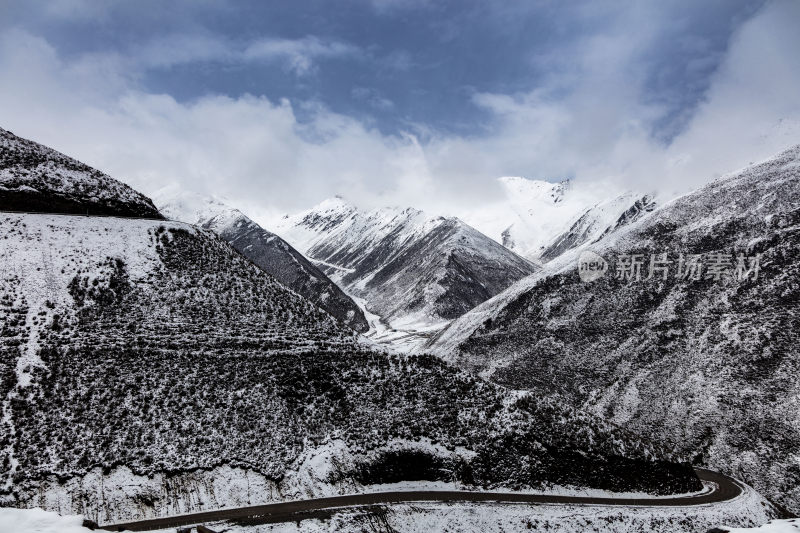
[707, 366]
[35, 178]
[538, 210]
[539, 219]
[598, 221]
[266, 250]
[148, 368]
[412, 270]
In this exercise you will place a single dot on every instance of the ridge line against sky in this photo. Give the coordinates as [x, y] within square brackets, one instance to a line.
[402, 102]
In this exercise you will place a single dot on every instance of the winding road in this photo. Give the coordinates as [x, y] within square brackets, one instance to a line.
[725, 488]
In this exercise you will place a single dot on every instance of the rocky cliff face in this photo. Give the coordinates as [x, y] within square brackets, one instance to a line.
[705, 362]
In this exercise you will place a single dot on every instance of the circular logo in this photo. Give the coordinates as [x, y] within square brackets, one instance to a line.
[591, 266]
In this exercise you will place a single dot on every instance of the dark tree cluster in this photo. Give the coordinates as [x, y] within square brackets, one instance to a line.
[207, 361]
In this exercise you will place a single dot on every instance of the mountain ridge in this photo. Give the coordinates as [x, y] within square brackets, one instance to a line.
[704, 365]
[411, 269]
[268, 251]
[36, 178]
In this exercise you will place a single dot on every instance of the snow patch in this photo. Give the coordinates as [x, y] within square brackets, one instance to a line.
[38, 521]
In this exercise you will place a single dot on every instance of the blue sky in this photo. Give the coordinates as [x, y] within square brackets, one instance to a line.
[398, 100]
[397, 64]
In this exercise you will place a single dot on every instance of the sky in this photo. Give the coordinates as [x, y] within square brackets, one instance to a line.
[277, 105]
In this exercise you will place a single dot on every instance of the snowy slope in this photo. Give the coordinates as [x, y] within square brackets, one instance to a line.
[112, 285]
[708, 366]
[539, 219]
[39, 521]
[598, 221]
[412, 270]
[143, 361]
[36, 178]
[266, 250]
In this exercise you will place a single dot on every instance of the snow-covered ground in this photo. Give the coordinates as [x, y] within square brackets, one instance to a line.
[38, 521]
[774, 526]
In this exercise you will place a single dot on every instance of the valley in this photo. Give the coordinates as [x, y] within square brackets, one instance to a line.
[149, 366]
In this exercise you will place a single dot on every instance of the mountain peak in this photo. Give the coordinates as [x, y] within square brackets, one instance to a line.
[527, 190]
[192, 207]
[335, 203]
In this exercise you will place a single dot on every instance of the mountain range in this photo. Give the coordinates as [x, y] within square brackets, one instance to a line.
[147, 367]
[414, 271]
[703, 359]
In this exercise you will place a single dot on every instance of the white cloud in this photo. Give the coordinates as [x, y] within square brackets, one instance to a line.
[591, 119]
[251, 149]
[299, 53]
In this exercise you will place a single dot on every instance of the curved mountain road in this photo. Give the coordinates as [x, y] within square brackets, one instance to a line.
[725, 489]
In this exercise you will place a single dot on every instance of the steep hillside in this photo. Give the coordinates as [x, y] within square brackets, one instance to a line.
[412, 270]
[36, 178]
[268, 251]
[706, 366]
[156, 348]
